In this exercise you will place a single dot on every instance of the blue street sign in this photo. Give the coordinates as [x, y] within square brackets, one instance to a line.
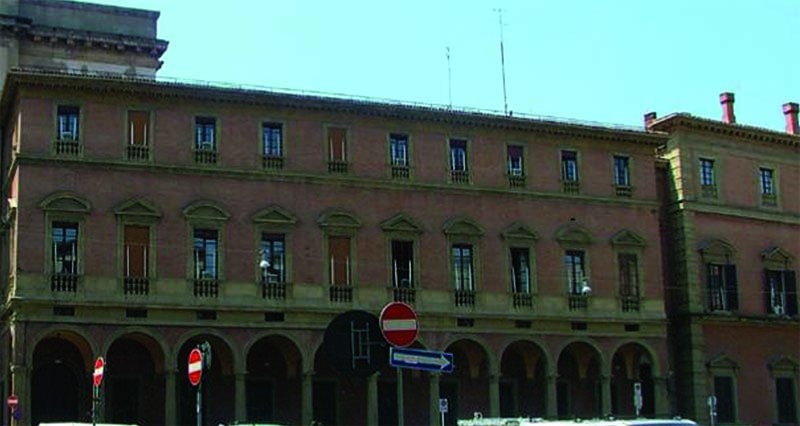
[421, 360]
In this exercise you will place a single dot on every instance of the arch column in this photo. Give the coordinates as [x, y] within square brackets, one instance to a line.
[661, 406]
[307, 406]
[240, 409]
[605, 395]
[552, 400]
[436, 417]
[494, 395]
[170, 398]
[20, 380]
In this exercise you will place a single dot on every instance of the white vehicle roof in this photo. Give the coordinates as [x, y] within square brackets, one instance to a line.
[523, 421]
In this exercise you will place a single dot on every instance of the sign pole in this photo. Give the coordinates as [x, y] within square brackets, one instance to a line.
[199, 402]
[95, 395]
[400, 414]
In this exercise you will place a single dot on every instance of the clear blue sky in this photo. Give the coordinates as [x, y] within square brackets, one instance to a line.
[608, 61]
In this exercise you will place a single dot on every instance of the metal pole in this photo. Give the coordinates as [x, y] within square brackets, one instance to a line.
[449, 81]
[199, 402]
[503, 61]
[95, 396]
[400, 414]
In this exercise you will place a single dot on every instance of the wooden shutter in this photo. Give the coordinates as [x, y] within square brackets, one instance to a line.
[768, 291]
[790, 284]
[137, 123]
[337, 138]
[137, 242]
[731, 288]
[339, 252]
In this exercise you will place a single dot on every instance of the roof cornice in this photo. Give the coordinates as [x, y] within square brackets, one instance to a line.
[385, 109]
[680, 121]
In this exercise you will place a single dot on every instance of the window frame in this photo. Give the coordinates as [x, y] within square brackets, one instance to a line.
[77, 133]
[65, 207]
[519, 236]
[202, 121]
[277, 221]
[511, 170]
[273, 124]
[720, 256]
[339, 223]
[465, 233]
[77, 263]
[573, 237]
[618, 181]
[769, 200]
[565, 157]
[210, 216]
[68, 147]
[137, 212]
[393, 139]
[217, 250]
[709, 190]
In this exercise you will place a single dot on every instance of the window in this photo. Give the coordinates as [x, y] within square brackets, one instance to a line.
[622, 171]
[398, 149]
[136, 251]
[726, 399]
[569, 166]
[206, 254]
[272, 134]
[403, 263]
[574, 262]
[722, 287]
[65, 248]
[706, 172]
[138, 148]
[272, 258]
[780, 292]
[786, 400]
[337, 150]
[520, 270]
[629, 281]
[767, 182]
[458, 161]
[463, 267]
[68, 123]
[515, 159]
[205, 134]
[339, 252]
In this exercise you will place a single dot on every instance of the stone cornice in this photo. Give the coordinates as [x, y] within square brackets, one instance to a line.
[679, 121]
[384, 109]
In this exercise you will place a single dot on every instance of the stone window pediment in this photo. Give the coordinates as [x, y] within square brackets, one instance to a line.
[205, 211]
[137, 207]
[402, 223]
[519, 231]
[782, 363]
[717, 250]
[465, 227]
[628, 238]
[274, 215]
[574, 234]
[339, 221]
[777, 258]
[66, 202]
[722, 362]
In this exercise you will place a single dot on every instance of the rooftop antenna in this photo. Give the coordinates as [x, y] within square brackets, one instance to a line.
[449, 81]
[502, 60]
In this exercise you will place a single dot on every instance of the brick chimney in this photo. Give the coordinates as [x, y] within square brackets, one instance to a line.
[790, 112]
[726, 100]
[649, 118]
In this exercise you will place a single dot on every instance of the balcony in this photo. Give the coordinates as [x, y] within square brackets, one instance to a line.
[138, 286]
[459, 176]
[204, 156]
[465, 298]
[400, 172]
[578, 302]
[138, 153]
[338, 167]
[623, 190]
[68, 147]
[516, 181]
[64, 283]
[273, 290]
[769, 200]
[340, 294]
[405, 295]
[272, 162]
[630, 303]
[522, 300]
[571, 186]
[206, 287]
[708, 191]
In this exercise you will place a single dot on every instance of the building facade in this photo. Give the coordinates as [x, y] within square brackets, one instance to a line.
[562, 264]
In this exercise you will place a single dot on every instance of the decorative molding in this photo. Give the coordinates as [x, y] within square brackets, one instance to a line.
[628, 238]
[274, 215]
[137, 207]
[65, 202]
[205, 210]
[402, 222]
[574, 234]
[519, 231]
[462, 226]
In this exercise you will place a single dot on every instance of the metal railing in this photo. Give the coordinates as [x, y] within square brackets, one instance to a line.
[67, 283]
[136, 286]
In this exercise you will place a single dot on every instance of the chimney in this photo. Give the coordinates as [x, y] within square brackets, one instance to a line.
[790, 112]
[649, 118]
[726, 100]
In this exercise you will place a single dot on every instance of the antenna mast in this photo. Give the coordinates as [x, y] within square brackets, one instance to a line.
[502, 60]
[449, 81]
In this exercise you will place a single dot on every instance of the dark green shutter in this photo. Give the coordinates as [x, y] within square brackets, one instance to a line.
[791, 292]
[731, 288]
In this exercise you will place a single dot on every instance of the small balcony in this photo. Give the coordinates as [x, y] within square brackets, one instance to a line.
[769, 200]
[64, 283]
[405, 295]
[205, 156]
[708, 191]
[138, 286]
[137, 153]
[578, 302]
[522, 300]
[68, 147]
[571, 186]
[400, 172]
[338, 167]
[206, 287]
[630, 303]
[623, 190]
[273, 290]
[516, 181]
[465, 298]
[272, 162]
[459, 176]
[340, 294]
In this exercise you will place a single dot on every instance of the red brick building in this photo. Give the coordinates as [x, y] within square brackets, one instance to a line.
[145, 217]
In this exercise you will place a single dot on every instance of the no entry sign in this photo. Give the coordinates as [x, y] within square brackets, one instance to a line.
[399, 324]
[99, 365]
[195, 366]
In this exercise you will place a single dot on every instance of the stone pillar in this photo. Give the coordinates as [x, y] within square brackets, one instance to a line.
[494, 396]
[552, 399]
[605, 395]
[661, 403]
[20, 378]
[170, 399]
[307, 407]
[372, 399]
[436, 417]
[240, 396]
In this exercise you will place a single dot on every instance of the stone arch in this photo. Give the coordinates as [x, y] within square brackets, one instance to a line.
[651, 353]
[337, 219]
[633, 364]
[463, 226]
[274, 380]
[204, 210]
[574, 234]
[519, 231]
[717, 248]
[524, 369]
[580, 367]
[75, 335]
[155, 344]
[66, 202]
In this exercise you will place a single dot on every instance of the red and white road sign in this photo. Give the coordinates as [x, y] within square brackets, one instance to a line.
[99, 365]
[195, 366]
[12, 401]
[399, 324]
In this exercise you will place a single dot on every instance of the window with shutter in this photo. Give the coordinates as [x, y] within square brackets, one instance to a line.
[339, 252]
[137, 244]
